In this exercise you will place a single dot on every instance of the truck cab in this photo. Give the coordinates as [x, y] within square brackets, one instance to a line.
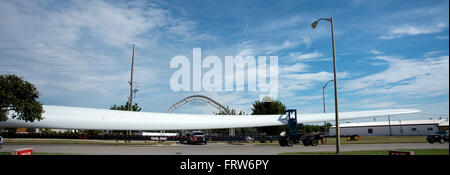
[291, 136]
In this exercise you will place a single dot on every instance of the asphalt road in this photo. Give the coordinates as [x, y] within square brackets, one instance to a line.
[210, 149]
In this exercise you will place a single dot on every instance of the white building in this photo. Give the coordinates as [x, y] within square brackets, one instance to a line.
[392, 128]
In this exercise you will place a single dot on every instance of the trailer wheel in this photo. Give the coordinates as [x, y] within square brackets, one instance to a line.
[430, 139]
[290, 143]
[314, 142]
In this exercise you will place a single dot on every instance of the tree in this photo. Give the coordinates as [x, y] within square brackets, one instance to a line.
[267, 108]
[313, 128]
[126, 107]
[19, 97]
[239, 131]
[232, 112]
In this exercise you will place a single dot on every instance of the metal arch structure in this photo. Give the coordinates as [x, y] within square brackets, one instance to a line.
[198, 97]
[206, 99]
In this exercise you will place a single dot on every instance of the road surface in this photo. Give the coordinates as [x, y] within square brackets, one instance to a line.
[210, 149]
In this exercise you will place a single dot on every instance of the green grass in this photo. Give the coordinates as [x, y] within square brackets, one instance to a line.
[375, 152]
[81, 141]
[380, 140]
[39, 153]
[363, 140]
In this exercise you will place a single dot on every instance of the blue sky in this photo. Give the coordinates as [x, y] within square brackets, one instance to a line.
[390, 54]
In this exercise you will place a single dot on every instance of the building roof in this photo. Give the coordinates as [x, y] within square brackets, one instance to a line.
[439, 122]
[444, 123]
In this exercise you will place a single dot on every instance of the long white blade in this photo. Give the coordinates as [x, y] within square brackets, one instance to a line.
[63, 117]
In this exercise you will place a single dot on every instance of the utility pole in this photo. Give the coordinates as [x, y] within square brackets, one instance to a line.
[130, 107]
[131, 82]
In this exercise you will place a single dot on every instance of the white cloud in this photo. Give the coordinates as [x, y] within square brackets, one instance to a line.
[252, 48]
[432, 53]
[444, 37]
[403, 22]
[390, 104]
[298, 67]
[374, 103]
[307, 41]
[114, 24]
[306, 56]
[310, 98]
[405, 77]
[407, 29]
[376, 52]
[304, 81]
[275, 48]
[83, 48]
[246, 52]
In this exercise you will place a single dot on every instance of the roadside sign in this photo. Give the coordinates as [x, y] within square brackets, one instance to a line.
[23, 151]
[401, 153]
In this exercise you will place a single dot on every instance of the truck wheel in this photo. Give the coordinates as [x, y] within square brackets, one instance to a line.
[290, 143]
[314, 142]
[282, 143]
[441, 140]
[307, 142]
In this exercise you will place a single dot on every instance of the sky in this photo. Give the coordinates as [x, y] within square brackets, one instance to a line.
[390, 54]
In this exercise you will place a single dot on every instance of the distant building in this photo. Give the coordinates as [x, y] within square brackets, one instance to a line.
[392, 128]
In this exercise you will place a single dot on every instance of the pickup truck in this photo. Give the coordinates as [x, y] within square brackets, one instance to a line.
[441, 136]
[195, 137]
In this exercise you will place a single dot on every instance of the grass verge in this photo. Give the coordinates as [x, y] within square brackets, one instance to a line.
[80, 141]
[375, 152]
[39, 153]
[380, 140]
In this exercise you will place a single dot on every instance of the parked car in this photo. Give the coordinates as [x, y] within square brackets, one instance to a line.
[195, 137]
[441, 136]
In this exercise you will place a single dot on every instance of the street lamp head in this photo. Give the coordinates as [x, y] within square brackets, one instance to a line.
[314, 24]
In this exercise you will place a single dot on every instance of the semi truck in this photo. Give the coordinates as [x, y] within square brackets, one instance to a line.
[292, 136]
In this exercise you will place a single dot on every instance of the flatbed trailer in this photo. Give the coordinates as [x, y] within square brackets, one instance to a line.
[291, 136]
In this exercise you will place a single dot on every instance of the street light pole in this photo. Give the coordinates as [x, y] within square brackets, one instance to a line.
[324, 111]
[336, 111]
[323, 93]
